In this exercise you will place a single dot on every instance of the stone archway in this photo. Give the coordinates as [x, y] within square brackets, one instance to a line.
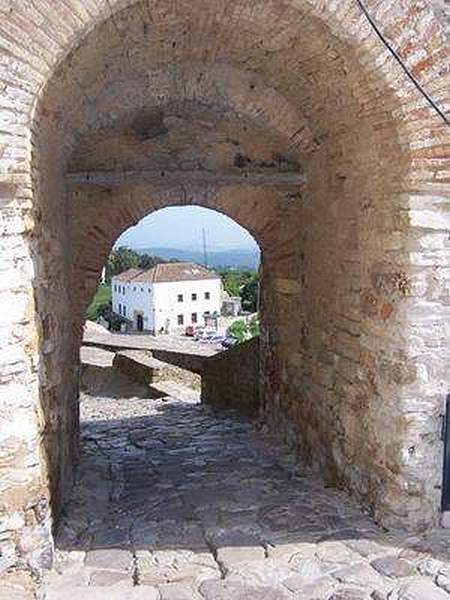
[234, 105]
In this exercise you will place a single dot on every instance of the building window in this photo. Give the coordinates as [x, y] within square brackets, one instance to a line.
[120, 309]
[180, 319]
[194, 297]
[142, 289]
[149, 290]
[115, 287]
[134, 289]
[207, 296]
[194, 317]
[180, 297]
[124, 311]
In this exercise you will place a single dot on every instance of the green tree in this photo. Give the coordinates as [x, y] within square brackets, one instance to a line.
[238, 329]
[235, 279]
[254, 327]
[113, 320]
[249, 294]
[124, 258]
[100, 302]
[147, 261]
[120, 260]
[231, 282]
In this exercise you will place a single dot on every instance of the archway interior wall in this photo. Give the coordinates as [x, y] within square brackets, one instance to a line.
[334, 389]
[129, 116]
[338, 359]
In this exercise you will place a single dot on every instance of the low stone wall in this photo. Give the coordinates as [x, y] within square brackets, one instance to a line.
[183, 360]
[231, 379]
[106, 381]
[228, 379]
[142, 367]
[183, 377]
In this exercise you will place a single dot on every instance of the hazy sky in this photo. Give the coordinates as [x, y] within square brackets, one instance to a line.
[181, 227]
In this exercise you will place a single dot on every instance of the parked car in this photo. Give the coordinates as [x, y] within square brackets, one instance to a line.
[198, 332]
[217, 339]
[207, 336]
[229, 341]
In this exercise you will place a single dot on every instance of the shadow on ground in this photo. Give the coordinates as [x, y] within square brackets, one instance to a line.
[178, 493]
[194, 466]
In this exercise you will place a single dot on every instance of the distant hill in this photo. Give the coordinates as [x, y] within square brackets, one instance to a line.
[237, 258]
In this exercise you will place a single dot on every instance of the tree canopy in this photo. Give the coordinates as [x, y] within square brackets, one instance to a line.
[249, 294]
[123, 258]
[243, 283]
[243, 331]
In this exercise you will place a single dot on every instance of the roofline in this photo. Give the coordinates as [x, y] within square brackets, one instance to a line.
[181, 280]
[139, 272]
[217, 277]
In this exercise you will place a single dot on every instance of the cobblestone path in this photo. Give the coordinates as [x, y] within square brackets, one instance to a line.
[175, 501]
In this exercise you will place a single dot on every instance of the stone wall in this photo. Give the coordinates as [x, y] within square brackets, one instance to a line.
[184, 360]
[231, 379]
[139, 366]
[442, 11]
[355, 344]
[340, 389]
[144, 368]
[130, 374]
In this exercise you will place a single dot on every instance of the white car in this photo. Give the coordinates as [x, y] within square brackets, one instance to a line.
[207, 335]
[217, 338]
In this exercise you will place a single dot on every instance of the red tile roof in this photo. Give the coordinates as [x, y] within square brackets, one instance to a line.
[167, 272]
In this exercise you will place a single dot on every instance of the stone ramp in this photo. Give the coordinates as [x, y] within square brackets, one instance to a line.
[176, 356]
[99, 377]
[226, 379]
[134, 373]
[174, 500]
[173, 389]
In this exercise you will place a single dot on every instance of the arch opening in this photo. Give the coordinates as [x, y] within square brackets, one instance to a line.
[199, 238]
[144, 387]
[310, 181]
[293, 151]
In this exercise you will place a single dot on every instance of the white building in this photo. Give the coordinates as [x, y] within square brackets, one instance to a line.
[166, 298]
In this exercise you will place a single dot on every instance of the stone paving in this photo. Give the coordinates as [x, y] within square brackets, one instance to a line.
[177, 501]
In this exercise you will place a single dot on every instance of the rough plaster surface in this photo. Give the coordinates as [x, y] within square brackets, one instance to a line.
[355, 344]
